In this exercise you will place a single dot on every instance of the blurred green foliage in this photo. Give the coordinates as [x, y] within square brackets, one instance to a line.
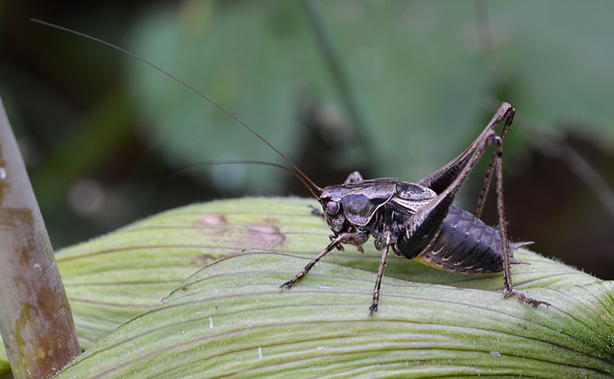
[103, 132]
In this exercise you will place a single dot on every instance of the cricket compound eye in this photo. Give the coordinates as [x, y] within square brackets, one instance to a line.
[332, 207]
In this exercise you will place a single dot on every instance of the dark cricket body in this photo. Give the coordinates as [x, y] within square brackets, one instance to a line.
[418, 220]
[415, 220]
[466, 245]
[461, 243]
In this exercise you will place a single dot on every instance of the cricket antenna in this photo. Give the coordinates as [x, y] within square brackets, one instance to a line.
[215, 163]
[299, 172]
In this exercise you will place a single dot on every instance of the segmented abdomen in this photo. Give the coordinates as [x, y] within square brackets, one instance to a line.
[464, 245]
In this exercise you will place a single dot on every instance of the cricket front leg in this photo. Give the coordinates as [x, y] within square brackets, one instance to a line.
[378, 281]
[356, 239]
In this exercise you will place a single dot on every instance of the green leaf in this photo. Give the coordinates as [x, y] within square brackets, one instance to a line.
[123, 275]
[232, 319]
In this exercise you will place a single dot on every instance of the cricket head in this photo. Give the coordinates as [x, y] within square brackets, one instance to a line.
[355, 204]
[330, 200]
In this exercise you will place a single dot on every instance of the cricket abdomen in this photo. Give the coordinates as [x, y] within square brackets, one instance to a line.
[465, 245]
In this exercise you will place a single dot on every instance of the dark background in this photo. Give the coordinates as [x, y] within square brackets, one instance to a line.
[390, 89]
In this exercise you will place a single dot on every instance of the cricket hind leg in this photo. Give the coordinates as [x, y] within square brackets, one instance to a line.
[443, 178]
[452, 172]
[507, 259]
[422, 226]
[491, 167]
[410, 241]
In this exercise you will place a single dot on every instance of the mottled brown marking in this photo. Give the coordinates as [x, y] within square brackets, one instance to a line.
[214, 219]
[205, 259]
[35, 304]
[223, 238]
[12, 218]
[237, 237]
[263, 236]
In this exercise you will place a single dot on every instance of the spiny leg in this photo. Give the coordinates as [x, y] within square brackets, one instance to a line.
[491, 166]
[507, 279]
[445, 199]
[357, 239]
[441, 179]
[305, 270]
[378, 281]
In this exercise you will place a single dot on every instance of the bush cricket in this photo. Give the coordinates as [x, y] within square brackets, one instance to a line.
[415, 220]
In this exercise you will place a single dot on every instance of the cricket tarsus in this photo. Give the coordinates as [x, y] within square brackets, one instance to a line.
[523, 298]
[418, 220]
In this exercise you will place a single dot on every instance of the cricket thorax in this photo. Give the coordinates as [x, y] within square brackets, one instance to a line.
[358, 203]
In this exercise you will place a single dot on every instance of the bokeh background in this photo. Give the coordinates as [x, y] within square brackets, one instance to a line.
[387, 88]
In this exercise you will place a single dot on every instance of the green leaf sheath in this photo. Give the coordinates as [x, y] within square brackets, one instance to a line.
[231, 319]
[223, 318]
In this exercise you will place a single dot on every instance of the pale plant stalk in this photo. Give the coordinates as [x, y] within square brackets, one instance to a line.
[35, 318]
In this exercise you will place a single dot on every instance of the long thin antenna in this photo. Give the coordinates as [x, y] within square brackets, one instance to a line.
[215, 163]
[189, 87]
